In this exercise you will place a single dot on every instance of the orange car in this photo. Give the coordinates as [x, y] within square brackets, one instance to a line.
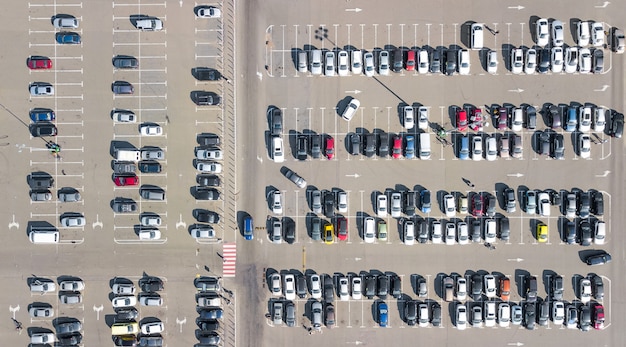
[505, 288]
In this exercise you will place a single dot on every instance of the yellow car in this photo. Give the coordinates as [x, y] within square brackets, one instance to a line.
[542, 232]
[382, 231]
[329, 234]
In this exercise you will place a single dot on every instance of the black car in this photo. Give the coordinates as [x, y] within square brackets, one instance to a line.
[555, 198]
[301, 288]
[477, 287]
[383, 145]
[557, 288]
[355, 144]
[531, 288]
[491, 206]
[396, 286]
[450, 57]
[531, 117]
[586, 236]
[206, 74]
[302, 147]
[544, 313]
[42, 129]
[204, 98]
[329, 204]
[509, 197]
[206, 216]
[598, 61]
[208, 338]
[70, 339]
[316, 146]
[125, 340]
[410, 199]
[371, 142]
[208, 180]
[213, 313]
[476, 230]
[584, 205]
[151, 284]
[571, 236]
[208, 325]
[598, 287]
[126, 314]
[435, 61]
[122, 87]
[598, 259]
[208, 140]
[289, 230]
[149, 167]
[423, 234]
[204, 193]
[505, 230]
[383, 286]
[544, 60]
[370, 286]
[436, 314]
[150, 341]
[329, 292]
[584, 320]
[617, 125]
[558, 146]
[410, 312]
[529, 315]
[125, 62]
[543, 144]
[597, 207]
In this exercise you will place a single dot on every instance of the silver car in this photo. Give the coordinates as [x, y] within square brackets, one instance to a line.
[316, 201]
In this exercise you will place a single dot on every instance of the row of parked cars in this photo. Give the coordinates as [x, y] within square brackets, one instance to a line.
[125, 328]
[209, 301]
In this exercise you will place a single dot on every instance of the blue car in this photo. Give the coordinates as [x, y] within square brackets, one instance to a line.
[42, 115]
[383, 314]
[409, 151]
[68, 38]
[464, 148]
[248, 228]
[425, 201]
[572, 119]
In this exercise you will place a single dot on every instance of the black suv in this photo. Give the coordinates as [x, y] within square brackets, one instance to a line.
[149, 167]
[208, 140]
[302, 147]
[598, 204]
[206, 74]
[204, 98]
[151, 284]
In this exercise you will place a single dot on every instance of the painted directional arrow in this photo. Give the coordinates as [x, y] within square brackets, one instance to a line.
[97, 309]
[516, 175]
[605, 4]
[14, 309]
[515, 259]
[518, 90]
[354, 9]
[356, 91]
[518, 344]
[181, 322]
[180, 223]
[518, 7]
[354, 175]
[14, 224]
[606, 173]
[604, 87]
[97, 223]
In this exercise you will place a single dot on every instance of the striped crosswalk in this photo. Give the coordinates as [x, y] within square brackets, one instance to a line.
[230, 259]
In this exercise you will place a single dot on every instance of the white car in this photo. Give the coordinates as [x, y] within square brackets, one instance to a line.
[356, 288]
[277, 202]
[278, 155]
[584, 146]
[422, 117]
[585, 290]
[544, 204]
[516, 314]
[558, 33]
[597, 34]
[123, 288]
[71, 286]
[369, 233]
[123, 116]
[396, 205]
[351, 109]
[436, 236]
[344, 64]
[517, 120]
[209, 12]
[542, 32]
[275, 285]
[152, 328]
[316, 287]
[210, 153]
[450, 233]
[491, 152]
[329, 66]
[571, 59]
[40, 88]
[584, 119]
[464, 62]
[381, 205]
[383, 60]
[583, 34]
[209, 167]
[423, 64]
[73, 221]
[557, 59]
[342, 202]
[65, 23]
[357, 62]
[149, 234]
[151, 221]
[461, 288]
[369, 64]
[409, 117]
[599, 234]
[290, 287]
[463, 233]
[599, 119]
[41, 312]
[449, 204]
[461, 317]
[584, 62]
[490, 286]
[531, 62]
[490, 231]
[409, 233]
[477, 148]
[343, 290]
[490, 314]
[151, 300]
[558, 312]
[151, 130]
[124, 301]
[504, 314]
[517, 60]
[492, 62]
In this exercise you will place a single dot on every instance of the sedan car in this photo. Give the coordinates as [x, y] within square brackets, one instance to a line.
[584, 291]
[41, 311]
[202, 231]
[208, 12]
[544, 204]
[122, 87]
[41, 88]
[461, 317]
[125, 180]
[584, 119]
[492, 62]
[464, 62]
[73, 221]
[351, 109]
[531, 62]
[125, 62]
[517, 60]
[542, 33]
[152, 328]
[408, 117]
[477, 148]
[557, 59]
[151, 130]
[449, 205]
[67, 38]
[571, 59]
[124, 301]
[36, 62]
[210, 167]
[584, 146]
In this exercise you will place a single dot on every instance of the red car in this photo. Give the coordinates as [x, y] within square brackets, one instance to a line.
[342, 228]
[598, 316]
[410, 61]
[126, 180]
[330, 147]
[461, 120]
[503, 118]
[476, 120]
[477, 205]
[397, 147]
[38, 62]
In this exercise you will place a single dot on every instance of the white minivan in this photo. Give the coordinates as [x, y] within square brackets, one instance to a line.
[302, 61]
[425, 146]
[477, 31]
[43, 236]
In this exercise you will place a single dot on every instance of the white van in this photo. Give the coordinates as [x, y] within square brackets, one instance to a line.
[302, 61]
[316, 62]
[43, 236]
[277, 149]
[424, 146]
[477, 31]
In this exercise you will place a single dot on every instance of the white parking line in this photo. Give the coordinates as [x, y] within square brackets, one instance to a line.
[139, 44]
[79, 4]
[139, 5]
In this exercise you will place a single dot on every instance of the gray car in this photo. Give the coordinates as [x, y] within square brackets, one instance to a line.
[316, 201]
[276, 126]
[295, 178]
[316, 228]
[531, 202]
[125, 62]
[69, 327]
[122, 87]
[290, 314]
[121, 205]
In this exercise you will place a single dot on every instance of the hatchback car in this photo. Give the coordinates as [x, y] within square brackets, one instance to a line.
[67, 38]
[36, 62]
[41, 88]
[351, 109]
